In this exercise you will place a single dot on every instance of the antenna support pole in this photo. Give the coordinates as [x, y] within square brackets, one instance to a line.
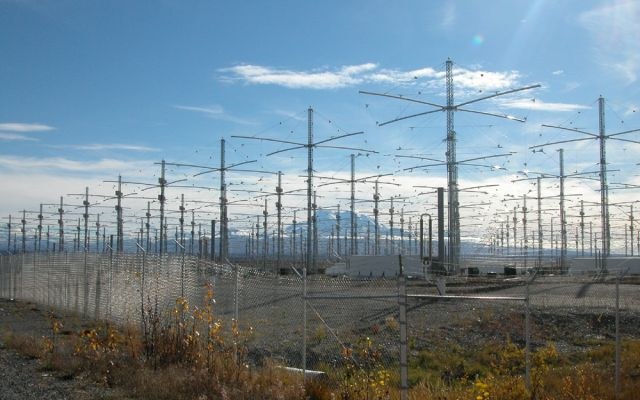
[563, 218]
[604, 188]
[354, 228]
[452, 177]
[163, 183]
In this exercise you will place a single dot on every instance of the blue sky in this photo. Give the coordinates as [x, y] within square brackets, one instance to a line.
[94, 89]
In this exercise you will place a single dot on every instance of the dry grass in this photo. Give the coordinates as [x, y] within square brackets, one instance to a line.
[187, 354]
[190, 353]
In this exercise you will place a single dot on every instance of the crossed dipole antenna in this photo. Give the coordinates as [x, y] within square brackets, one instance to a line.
[223, 169]
[452, 164]
[562, 195]
[162, 184]
[309, 146]
[601, 137]
[279, 192]
[353, 180]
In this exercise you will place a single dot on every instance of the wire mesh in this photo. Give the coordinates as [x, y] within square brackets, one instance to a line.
[352, 324]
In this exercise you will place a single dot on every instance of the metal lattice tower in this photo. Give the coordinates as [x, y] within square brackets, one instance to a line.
[338, 218]
[119, 220]
[148, 227]
[539, 222]
[97, 235]
[376, 228]
[293, 237]
[24, 231]
[309, 145]
[604, 188]
[61, 227]
[163, 184]
[40, 217]
[452, 176]
[524, 230]
[601, 136]
[309, 185]
[224, 228]
[563, 218]
[582, 226]
[391, 212]
[315, 231]
[265, 249]
[515, 230]
[631, 228]
[354, 227]
[279, 217]
[85, 216]
[451, 161]
[212, 245]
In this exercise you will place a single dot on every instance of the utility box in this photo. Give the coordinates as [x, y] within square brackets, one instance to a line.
[510, 270]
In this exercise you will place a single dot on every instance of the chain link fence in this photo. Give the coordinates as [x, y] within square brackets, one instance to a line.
[390, 333]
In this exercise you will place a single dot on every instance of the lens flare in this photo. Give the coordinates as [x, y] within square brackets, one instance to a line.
[477, 40]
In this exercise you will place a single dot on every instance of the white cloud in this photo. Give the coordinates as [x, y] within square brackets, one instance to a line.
[394, 76]
[65, 164]
[485, 80]
[615, 32]
[23, 127]
[214, 111]
[16, 137]
[448, 15]
[539, 105]
[357, 69]
[346, 76]
[558, 72]
[30, 189]
[114, 146]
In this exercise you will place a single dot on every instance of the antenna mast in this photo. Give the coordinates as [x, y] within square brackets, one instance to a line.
[563, 218]
[120, 233]
[309, 185]
[224, 244]
[279, 217]
[60, 227]
[451, 162]
[604, 188]
[452, 175]
[354, 228]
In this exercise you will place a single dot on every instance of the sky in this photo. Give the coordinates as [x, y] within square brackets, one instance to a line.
[91, 90]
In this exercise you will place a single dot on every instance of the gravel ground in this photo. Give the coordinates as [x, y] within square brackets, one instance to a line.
[23, 378]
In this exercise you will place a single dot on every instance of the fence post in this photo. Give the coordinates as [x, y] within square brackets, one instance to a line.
[617, 370]
[109, 289]
[402, 302]
[12, 278]
[98, 284]
[144, 264]
[236, 302]
[527, 323]
[34, 287]
[182, 249]
[304, 325]
[49, 266]
[67, 277]
[85, 306]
